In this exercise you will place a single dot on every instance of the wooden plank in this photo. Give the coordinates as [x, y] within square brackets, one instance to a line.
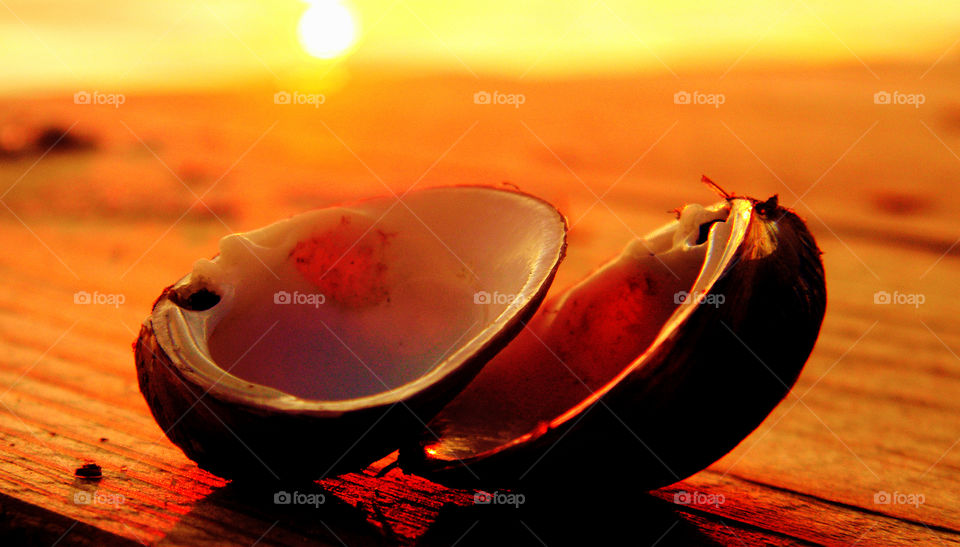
[873, 412]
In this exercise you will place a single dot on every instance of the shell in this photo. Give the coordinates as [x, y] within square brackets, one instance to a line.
[708, 378]
[238, 428]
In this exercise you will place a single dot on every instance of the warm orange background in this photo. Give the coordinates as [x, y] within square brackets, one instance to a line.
[181, 43]
[200, 149]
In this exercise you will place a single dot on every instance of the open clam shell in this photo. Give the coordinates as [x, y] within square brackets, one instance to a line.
[649, 370]
[321, 343]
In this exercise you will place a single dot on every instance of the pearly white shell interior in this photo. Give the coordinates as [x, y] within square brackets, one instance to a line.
[372, 300]
[550, 373]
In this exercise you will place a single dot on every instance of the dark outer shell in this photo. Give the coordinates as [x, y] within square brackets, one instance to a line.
[246, 441]
[702, 392]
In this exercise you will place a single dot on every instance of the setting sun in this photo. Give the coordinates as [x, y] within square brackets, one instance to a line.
[326, 29]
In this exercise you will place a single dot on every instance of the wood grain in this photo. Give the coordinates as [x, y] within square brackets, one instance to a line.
[874, 411]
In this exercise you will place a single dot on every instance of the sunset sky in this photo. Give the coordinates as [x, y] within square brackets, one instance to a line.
[48, 44]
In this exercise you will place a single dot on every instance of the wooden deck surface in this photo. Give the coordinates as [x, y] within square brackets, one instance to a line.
[876, 410]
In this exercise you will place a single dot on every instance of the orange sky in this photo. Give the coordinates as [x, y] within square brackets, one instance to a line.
[187, 43]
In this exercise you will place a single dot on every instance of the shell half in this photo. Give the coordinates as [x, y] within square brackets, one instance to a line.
[321, 343]
[649, 370]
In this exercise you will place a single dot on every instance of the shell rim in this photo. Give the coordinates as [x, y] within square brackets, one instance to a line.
[181, 347]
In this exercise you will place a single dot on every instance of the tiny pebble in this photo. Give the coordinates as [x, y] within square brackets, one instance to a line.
[89, 471]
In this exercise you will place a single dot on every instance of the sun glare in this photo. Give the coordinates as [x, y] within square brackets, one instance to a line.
[327, 29]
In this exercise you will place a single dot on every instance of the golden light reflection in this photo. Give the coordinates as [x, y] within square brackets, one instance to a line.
[327, 29]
